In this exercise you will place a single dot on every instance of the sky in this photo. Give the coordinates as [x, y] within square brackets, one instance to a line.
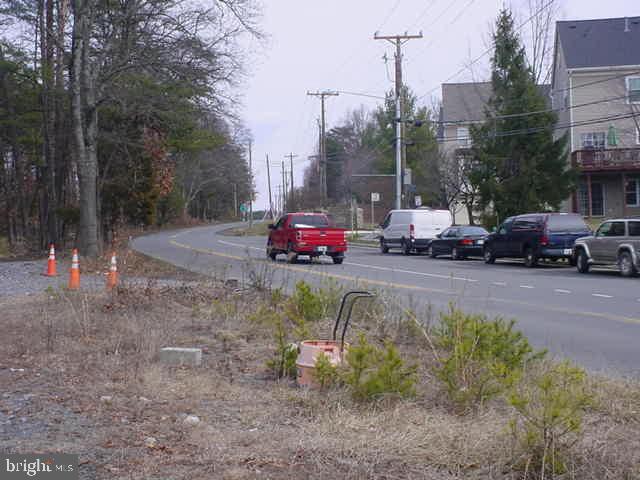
[329, 45]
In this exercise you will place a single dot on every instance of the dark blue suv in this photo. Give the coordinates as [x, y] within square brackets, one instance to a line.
[534, 236]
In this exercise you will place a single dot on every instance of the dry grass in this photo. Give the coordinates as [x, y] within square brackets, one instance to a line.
[76, 348]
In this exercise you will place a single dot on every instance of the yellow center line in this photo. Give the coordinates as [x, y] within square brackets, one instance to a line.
[404, 286]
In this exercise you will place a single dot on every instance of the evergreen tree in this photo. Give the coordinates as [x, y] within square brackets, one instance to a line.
[519, 166]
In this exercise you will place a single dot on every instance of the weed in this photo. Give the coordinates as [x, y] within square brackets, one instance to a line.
[372, 372]
[550, 407]
[483, 357]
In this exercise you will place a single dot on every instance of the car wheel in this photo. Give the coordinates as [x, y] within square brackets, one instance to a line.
[431, 252]
[338, 260]
[292, 256]
[406, 248]
[530, 259]
[582, 262]
[455, 254]
[626, 266]
[383, 246]
[488, 255]
[271, 253]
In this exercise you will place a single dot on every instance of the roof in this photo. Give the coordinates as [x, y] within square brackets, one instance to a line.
[605, 42]
[466, 102]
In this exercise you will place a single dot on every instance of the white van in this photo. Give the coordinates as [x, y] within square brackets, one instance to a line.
[412, 230]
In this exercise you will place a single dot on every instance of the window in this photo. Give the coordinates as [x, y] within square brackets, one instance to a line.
[527, 223]
[451, 233]
[632, 192]
[634, 229]
[593, 140]
[633, 89]
[309, 221]
[597, 199]
[463, 136]
[611, 229]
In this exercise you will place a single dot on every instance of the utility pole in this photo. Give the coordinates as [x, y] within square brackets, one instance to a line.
[284, 188]
[291, 156]
[250, 188]
[269, 182]
[323, 142]
[235, 200]
[398, 41]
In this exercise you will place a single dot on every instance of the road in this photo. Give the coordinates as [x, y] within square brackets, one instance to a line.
[592, 319]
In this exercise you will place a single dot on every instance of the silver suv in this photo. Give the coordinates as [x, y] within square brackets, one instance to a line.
[616, 242]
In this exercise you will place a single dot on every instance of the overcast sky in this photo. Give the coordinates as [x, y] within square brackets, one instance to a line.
[329, 44]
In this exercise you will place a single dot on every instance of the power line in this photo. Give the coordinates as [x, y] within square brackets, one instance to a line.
[358, 94]
[478, 58]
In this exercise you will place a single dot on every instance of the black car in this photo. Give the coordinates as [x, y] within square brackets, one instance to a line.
[459, 241]
[536, 235]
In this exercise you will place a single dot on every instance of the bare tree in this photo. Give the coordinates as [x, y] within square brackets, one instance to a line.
[541, 38]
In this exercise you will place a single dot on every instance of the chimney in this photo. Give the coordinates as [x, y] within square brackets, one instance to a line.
[626, 25]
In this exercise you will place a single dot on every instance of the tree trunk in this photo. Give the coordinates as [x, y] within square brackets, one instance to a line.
[84, 126]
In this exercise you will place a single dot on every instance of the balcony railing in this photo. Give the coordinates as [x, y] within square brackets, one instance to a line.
[603, 159]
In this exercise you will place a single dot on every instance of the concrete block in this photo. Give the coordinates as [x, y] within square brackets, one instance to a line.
[175, 356]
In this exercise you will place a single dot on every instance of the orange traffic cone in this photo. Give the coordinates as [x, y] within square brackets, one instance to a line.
[112, 277]
[51, 264]
[74, 277]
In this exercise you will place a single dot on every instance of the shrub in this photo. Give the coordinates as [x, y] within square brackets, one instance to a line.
[305, 304]
[283, 364]
[483, 357]
[325, 373]
[372, 372]
[550, 406]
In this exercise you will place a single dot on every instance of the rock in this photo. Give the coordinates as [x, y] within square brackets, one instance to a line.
[106, 399]
[191, 420]
[150, 442]
[174, 356]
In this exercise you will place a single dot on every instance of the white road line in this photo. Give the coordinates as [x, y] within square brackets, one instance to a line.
[559, 290]
[527, 286]
[601, 295]
[411, 272]
[239, 245]
[499, 284]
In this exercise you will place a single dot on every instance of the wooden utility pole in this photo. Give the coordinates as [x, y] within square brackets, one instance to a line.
[292, 196]
[323, 142]
[284, 188]
[269, 182]
[398, 41]
[250, 188]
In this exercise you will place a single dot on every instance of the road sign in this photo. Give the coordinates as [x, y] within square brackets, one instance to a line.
[418, 200]
[244, 208]
[375, 197]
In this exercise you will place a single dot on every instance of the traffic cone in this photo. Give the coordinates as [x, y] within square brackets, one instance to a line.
[51, 264]
[112, 277]
[74, 277]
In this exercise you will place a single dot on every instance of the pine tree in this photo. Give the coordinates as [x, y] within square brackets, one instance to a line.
[519, 167]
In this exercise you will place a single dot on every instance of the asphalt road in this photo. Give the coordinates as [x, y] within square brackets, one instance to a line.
[592, 319]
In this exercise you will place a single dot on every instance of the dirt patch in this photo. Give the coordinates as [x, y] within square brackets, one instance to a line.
[80, 374]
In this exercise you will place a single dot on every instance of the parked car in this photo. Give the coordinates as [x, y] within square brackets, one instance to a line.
[308, 234]
[412, 230]
[459, 241]
[615, 242]
[536, 235]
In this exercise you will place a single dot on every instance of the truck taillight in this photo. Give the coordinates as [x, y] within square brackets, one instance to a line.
[412, 230]
[345, 236]
[544, 240]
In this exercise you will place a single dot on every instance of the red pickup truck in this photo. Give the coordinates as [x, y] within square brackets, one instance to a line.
[310, 234]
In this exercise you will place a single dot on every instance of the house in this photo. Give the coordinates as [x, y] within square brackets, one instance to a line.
[463, 105]
[596, 93]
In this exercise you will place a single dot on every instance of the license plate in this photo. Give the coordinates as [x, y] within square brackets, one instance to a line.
[480, 242]
[321, 249]
[567, 251]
